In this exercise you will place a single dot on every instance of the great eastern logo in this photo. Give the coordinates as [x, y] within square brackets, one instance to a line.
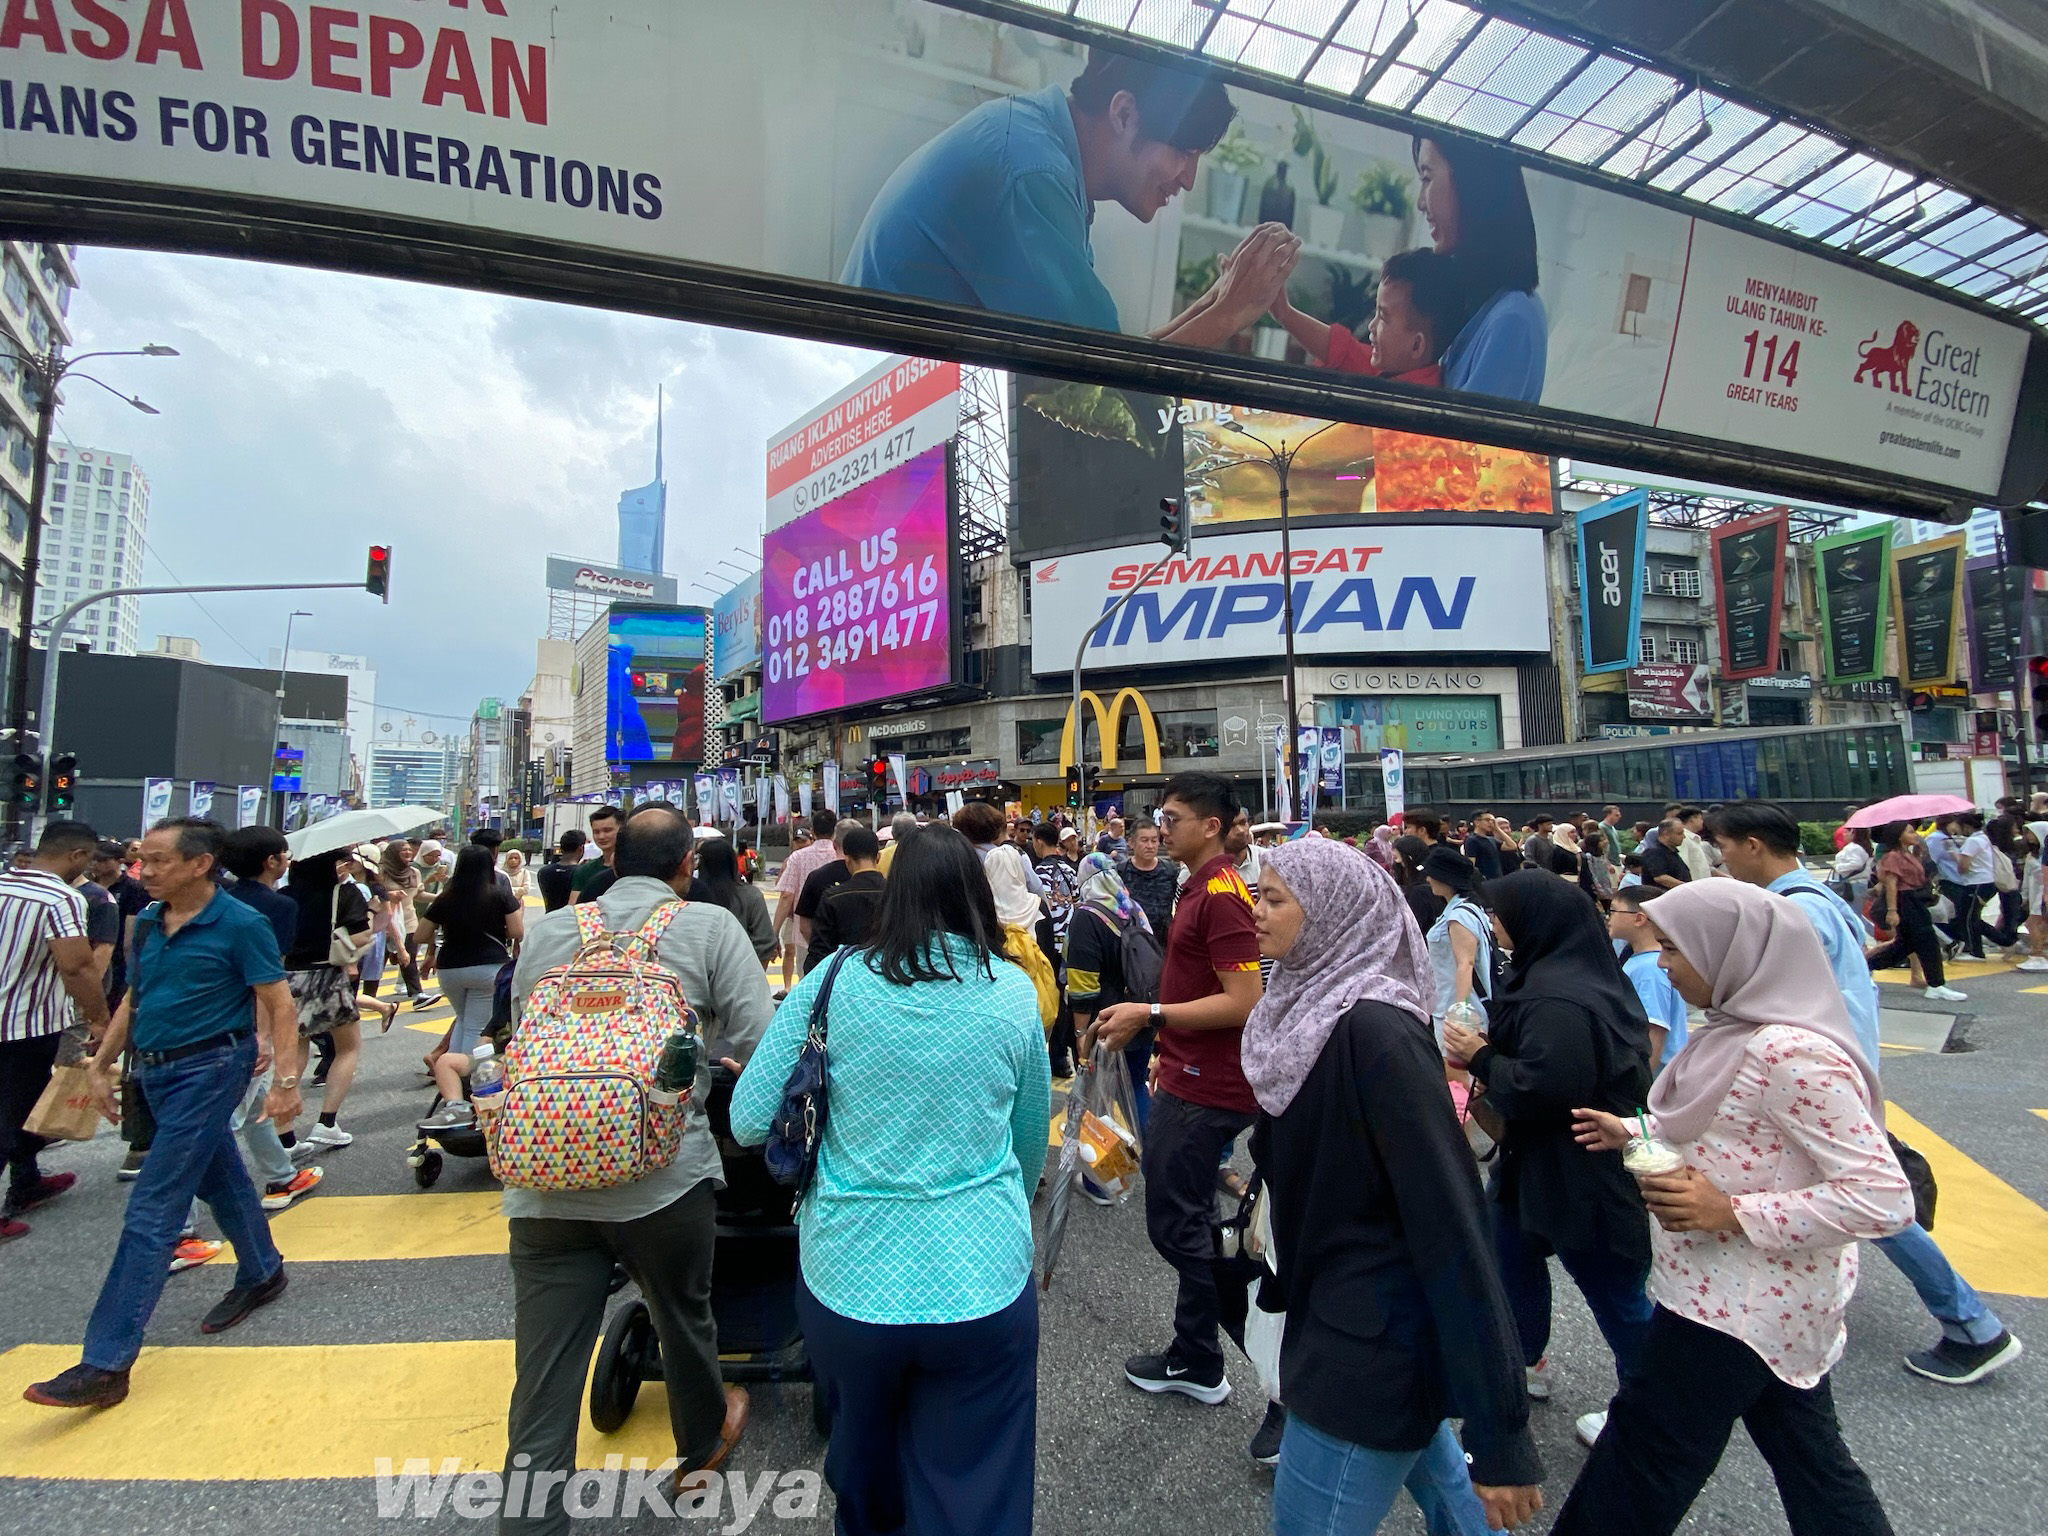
[1881, 363]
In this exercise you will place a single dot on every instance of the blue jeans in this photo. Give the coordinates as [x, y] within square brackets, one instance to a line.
[267, 1154]
[1138, 1062]
[1960, 1310]
[194, 1101]
[1612, 1286]
[470, 990]
[1329, 1487]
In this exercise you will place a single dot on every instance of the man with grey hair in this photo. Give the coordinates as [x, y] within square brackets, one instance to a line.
[902, 826]
[661, 1226]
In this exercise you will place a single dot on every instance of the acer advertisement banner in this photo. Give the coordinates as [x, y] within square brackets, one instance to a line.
[1670, 691]
[850, 167]
[1927, 596]
[1613, 538]
[1854, 597]
[857, 596]
[1996, 623]
[1749, 587]
[610, 581]
[1370, 589]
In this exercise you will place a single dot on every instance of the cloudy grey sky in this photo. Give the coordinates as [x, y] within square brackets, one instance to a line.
[313, 414]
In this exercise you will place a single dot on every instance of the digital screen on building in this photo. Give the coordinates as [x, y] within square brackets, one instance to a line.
[857, 596]
[654, 685]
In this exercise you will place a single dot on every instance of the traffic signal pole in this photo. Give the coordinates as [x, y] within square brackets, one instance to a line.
[53, 645]
[1080, 763]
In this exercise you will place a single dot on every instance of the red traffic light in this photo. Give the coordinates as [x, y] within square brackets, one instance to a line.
[377, 581]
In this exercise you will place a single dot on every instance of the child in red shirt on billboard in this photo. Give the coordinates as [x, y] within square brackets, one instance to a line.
[1419, 312]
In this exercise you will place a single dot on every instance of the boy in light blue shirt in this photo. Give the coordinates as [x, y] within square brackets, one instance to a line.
[1641, 963]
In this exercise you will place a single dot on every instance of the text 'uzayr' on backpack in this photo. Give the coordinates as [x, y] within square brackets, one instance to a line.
[581, 1107]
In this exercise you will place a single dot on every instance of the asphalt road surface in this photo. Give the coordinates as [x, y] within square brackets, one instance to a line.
[393, 1342]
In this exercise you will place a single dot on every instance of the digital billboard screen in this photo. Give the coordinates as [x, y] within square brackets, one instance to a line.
[654, 685]
[857, 596]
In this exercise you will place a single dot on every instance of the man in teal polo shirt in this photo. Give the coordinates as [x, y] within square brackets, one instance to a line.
[996, 212]
[204, 973]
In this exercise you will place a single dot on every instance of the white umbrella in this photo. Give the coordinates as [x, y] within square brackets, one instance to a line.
[352, 827]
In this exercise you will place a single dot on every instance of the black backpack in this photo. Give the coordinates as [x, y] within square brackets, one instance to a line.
[1141, 955]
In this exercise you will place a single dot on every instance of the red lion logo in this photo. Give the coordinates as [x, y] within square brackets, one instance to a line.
[1890, 362]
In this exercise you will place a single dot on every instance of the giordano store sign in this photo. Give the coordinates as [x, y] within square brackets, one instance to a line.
[1108, 725]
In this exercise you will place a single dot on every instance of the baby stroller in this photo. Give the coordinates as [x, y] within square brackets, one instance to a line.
[753, 1289]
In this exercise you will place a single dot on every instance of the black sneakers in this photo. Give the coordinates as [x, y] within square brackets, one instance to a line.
[1266, 1443]
[1168, 1373]
[239, 1303]
[1958, 1365]
[83, 1386]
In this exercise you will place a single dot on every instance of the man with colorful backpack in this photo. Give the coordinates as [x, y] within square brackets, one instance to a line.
[584, 1190]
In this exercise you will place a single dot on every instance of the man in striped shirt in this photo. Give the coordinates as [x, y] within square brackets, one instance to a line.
[46, 965]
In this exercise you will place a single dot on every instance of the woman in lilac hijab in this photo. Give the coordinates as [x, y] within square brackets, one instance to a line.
[1396, 1322]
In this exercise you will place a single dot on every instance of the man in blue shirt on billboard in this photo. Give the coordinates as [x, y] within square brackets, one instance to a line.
[995, 212]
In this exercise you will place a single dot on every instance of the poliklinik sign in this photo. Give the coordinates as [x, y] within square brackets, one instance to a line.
[1357, 591]
[581, 151]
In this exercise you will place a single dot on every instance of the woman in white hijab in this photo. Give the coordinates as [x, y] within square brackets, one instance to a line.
[1781, 1127]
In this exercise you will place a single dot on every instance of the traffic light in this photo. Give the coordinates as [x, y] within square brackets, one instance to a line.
[378, 582]
[2037, 688]
[1073, 789]
[878, 779]
[63, 783]
[27, 788]
[1173, 524]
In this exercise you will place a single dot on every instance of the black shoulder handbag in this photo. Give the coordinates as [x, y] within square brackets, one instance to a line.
[798, 1129]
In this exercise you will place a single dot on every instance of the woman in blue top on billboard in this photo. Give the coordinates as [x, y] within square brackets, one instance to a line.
[1477, 208]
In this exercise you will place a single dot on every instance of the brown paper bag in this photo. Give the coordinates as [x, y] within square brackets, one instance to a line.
[66, 1111]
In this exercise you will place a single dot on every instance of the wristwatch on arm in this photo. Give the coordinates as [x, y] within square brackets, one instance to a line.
[1158, 1018]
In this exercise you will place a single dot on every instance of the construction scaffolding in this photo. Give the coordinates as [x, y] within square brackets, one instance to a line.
[984, 464]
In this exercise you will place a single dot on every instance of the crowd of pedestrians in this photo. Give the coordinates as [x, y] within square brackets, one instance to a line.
[1422, 1066]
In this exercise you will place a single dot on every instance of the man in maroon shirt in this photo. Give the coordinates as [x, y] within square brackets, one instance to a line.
[1208, 987]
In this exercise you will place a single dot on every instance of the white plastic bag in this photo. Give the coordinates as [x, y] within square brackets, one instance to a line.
[1262, 1329]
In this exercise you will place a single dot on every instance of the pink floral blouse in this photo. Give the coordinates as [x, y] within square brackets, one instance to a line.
[1806, 1166]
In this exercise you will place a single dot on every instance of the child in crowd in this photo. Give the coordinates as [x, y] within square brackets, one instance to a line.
[1632, 871]
[1418, 313]
[1630, 929]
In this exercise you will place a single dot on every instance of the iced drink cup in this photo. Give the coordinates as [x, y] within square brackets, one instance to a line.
[1646, 1156]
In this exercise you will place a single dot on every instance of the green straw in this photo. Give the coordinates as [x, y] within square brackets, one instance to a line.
[1644, 1124]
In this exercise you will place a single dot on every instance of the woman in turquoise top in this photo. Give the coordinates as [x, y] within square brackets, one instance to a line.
[1477, 208]
[916, 1299]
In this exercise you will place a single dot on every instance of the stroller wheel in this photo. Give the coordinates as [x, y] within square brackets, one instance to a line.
[622, 1359]
[427, 1170]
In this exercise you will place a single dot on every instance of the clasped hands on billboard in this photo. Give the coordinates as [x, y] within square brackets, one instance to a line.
[857, 597]
[914, 150]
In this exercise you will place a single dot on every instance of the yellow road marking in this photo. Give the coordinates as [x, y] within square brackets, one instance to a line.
[352, 1228]
[2043, 1113]
[1992, 1233]
[2036, 991]
[322, 1411]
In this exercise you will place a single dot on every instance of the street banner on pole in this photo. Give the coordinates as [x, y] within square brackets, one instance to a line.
[830, 774]
[1333, 762]
[781, 798]
[1927, 596]
[1854, 597]
[1613, 538]
[248, 804]
[764, 794]
[156, 801]
[1283, 789]
[1997, 602]
[803, 795]
[1394, 775]
[199, 798]
[899, 770]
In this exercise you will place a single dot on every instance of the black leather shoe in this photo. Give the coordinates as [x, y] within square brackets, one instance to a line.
[83, 1386]
[240, 1302]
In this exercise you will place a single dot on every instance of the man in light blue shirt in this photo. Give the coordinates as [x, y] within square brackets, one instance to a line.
[996, 212]
[1759, 843]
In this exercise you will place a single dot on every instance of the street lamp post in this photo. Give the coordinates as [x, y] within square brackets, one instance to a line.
[284, 662]
[1281, 461]
[47, 372]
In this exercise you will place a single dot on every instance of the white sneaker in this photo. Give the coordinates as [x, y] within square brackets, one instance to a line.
[1945, 995]
[1589, 1427]
[1536, 1378]
[2033, 963]
[335, 1136]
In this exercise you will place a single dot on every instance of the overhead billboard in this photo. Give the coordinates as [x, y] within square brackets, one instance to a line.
[1749, 590]
[654, 685]
[584, 576]
[1855, 594]
[887, 417]
[1368, 590]
[1670, 691]
[1927, 597]
[1614, 540]
[736, 630]
[1094, 461]
[857, 597]
[763, 162]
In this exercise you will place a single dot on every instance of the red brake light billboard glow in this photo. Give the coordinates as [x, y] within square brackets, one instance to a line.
[857, 596]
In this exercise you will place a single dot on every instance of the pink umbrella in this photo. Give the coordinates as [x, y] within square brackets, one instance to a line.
[1910, 808]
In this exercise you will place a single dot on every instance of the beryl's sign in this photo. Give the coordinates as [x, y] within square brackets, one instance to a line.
[793, 159]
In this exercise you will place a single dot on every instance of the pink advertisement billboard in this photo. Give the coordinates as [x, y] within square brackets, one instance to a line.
[856, 597]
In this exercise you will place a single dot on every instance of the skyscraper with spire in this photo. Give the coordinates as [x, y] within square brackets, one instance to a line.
[643, 514]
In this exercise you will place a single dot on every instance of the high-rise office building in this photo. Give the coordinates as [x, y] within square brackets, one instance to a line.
[37, 281]
[95, 516]
[643, 516]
